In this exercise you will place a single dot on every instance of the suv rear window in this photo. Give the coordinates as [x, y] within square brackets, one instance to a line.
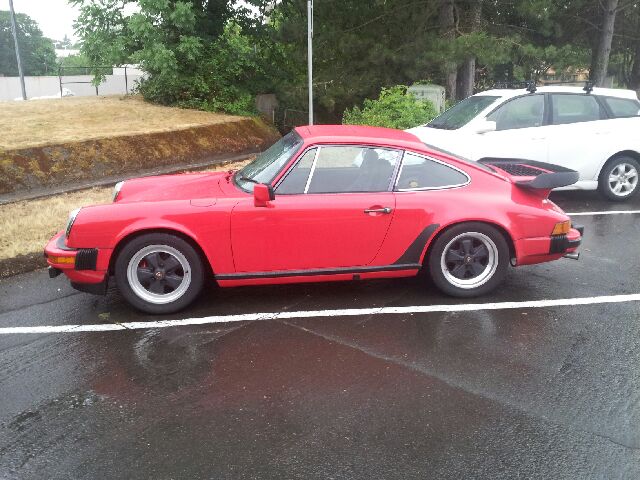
[572, 108]
[622, 107]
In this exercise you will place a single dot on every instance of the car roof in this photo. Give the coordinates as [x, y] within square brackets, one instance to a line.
[608, 92]
[359, 134]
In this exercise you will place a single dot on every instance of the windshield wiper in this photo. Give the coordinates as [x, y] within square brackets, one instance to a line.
[247, 179]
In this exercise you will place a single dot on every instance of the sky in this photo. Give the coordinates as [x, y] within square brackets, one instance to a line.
[55, 17]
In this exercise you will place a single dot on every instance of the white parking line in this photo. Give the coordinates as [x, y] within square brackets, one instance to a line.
[252, 317]
[607, 212]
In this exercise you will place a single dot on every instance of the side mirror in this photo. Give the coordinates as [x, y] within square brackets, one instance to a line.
[262, 194]
[486, 126]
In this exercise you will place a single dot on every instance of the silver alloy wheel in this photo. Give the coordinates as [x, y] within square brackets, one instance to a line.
[623, 179]
[469, 260]
[159, 274]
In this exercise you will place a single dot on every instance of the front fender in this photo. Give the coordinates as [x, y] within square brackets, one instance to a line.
[106, 226]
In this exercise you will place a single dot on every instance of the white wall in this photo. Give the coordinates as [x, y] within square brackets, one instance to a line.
[50, 85]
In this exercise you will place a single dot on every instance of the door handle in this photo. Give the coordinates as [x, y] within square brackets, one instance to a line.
[385, 210]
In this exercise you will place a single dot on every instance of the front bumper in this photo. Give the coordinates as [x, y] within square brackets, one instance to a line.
[86, 268]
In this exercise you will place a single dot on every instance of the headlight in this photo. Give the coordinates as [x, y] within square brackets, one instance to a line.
[72, 218]
[116, 190]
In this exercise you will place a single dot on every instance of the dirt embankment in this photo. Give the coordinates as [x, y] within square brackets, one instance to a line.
[71, 162]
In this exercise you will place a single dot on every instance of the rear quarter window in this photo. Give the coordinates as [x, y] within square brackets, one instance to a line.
[622, 107]
[419, 172]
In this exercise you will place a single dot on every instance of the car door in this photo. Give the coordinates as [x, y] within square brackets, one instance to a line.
[331, 210]
[520, 130]
[580, 133]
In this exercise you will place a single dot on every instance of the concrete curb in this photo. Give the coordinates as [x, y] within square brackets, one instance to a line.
[21, 264]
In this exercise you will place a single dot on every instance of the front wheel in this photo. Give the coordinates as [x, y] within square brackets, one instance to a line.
[159, 273]
[619, 178]
[468, 260]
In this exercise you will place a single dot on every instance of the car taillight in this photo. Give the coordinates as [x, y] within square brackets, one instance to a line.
[562, 228]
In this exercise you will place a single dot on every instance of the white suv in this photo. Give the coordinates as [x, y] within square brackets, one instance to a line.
[593, 131]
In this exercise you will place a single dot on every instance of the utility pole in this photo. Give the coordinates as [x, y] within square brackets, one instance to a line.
[14, 30]
[310, 56]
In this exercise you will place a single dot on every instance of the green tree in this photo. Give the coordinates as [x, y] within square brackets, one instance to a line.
[37, 52]
[66, 42]
[195, 55]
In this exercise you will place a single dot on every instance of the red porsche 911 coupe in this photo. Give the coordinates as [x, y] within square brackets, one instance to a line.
[324, 203]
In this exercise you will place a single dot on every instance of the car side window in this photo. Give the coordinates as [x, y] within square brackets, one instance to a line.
[342, 169]
[351, 169]
[522, 112]
[622, 107]
[296, 180]
[572, 108]
[418, 172]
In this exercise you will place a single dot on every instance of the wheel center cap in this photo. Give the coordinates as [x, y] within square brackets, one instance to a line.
[467, 259]
[159, 275]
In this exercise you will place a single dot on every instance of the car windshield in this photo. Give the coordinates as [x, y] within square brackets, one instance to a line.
[462, 113]
[265, 168]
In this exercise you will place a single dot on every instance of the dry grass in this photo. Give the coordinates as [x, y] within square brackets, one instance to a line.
[40, 122]
[28, 225]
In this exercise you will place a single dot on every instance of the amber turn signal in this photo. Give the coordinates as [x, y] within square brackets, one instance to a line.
[62, 260]
[562, 228]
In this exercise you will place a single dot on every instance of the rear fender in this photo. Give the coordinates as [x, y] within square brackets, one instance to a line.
[501, 228]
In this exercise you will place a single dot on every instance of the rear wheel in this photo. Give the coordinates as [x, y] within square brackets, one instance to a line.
[159, 273]
[468, 260]
[619, 178]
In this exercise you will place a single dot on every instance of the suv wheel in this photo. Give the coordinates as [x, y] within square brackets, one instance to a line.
[619, 178]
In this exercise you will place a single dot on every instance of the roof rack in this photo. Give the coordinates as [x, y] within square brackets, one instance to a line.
[529, 85]
[588, 84]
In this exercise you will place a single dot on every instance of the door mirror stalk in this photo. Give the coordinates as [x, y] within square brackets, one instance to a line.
[486, 126]
[263, 194]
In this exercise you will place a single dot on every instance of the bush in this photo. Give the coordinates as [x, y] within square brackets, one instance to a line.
[395, 108]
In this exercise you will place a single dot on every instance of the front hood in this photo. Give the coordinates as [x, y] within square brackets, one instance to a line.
[185, 186]
[433, 135]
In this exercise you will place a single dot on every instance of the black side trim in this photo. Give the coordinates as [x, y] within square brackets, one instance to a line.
[86, 259]
[94, 288]
[412, 254]
[316, 272]
[60, 244]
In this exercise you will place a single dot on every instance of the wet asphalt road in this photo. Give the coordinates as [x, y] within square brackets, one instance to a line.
[525, 393]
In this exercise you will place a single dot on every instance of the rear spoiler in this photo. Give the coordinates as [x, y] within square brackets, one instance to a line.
[533, 174]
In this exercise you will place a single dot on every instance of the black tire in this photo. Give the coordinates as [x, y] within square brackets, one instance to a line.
[470, 272]
[171, 284]
[612, 168]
